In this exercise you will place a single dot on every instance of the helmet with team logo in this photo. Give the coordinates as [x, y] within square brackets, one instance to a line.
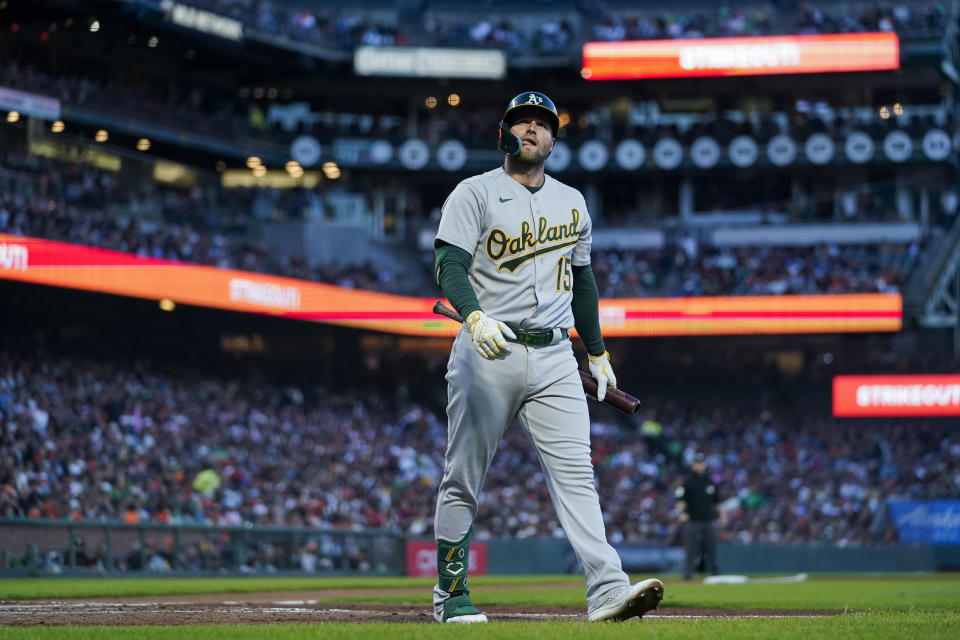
[509, 143]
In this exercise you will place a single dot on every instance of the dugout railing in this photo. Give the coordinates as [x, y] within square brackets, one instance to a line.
[64, 547]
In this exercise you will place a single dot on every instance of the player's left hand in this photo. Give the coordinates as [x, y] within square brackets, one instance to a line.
[603, 372]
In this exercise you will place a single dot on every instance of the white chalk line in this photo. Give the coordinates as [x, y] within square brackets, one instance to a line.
[733, 616]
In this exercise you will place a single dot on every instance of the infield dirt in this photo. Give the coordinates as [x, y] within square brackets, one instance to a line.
[301, 606]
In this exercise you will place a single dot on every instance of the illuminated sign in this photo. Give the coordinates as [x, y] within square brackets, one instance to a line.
[762, 55]
[77, 267]
[900, 395]
[63, 150]
[419, 62]
[273, 179]
[174, 173]
[205, 21]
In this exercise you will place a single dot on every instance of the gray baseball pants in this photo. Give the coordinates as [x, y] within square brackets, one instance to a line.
[541, 386]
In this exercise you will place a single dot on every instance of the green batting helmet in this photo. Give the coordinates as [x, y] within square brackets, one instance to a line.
[509, 143]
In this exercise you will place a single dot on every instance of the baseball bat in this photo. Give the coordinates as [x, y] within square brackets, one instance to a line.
[615, 398]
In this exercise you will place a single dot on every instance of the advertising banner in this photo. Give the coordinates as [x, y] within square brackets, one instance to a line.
[430, 62]
[78, 267]
[422, 558]
[29, 104]
[927, 521]
[644, 559]
[759, 55]
[900, 395]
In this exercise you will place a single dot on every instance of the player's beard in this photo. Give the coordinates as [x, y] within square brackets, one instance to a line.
[532, 156]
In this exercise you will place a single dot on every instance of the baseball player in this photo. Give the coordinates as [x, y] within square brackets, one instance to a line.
[513, 257]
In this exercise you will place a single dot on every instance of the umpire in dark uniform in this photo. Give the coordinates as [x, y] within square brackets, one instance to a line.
[697, 498]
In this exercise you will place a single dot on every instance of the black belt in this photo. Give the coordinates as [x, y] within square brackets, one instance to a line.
[537, 337]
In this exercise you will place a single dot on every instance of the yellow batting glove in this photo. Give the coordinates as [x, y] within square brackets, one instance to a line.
[603, 372]
[488, 334]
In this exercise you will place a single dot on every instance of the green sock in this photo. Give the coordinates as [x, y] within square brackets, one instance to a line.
[453, 564]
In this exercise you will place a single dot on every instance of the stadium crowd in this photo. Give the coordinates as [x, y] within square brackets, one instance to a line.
[80, 201]
[753, 270]
[619, 273]
[921, 19]
[78, 204]
[331, 28]
[344, 29]
[265, 113]
[111, 438]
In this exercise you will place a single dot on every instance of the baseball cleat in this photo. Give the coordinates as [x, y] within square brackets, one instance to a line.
[457, 609]
[629, 602]
[477, 617]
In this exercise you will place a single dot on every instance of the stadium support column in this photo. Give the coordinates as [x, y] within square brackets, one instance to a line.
[413, 108]
[591, 193]
[903, 201]
[685, 198]
[924, 209]
[956, 315]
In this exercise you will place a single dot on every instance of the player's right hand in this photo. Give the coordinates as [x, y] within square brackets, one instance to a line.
[488, 334]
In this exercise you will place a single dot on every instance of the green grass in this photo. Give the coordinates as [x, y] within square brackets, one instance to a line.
[824, 593]
[890, 606]
[46, 588]
[909, 592]
[925, 625]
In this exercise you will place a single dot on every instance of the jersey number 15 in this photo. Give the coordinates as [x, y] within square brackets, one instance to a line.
[564, 274]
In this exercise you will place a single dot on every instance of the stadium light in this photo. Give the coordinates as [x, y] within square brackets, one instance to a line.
[331, 170]
[153, 42]
[57, 126]
[101, 135]
[94, 26]
[13, 116]
[143, 144]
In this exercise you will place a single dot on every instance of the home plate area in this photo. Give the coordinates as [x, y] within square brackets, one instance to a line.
[253, 610]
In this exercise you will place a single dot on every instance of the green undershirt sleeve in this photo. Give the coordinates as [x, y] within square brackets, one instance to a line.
[450, 272]
[586, 310]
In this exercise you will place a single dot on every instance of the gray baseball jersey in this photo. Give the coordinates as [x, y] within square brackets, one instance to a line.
[523, 245]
